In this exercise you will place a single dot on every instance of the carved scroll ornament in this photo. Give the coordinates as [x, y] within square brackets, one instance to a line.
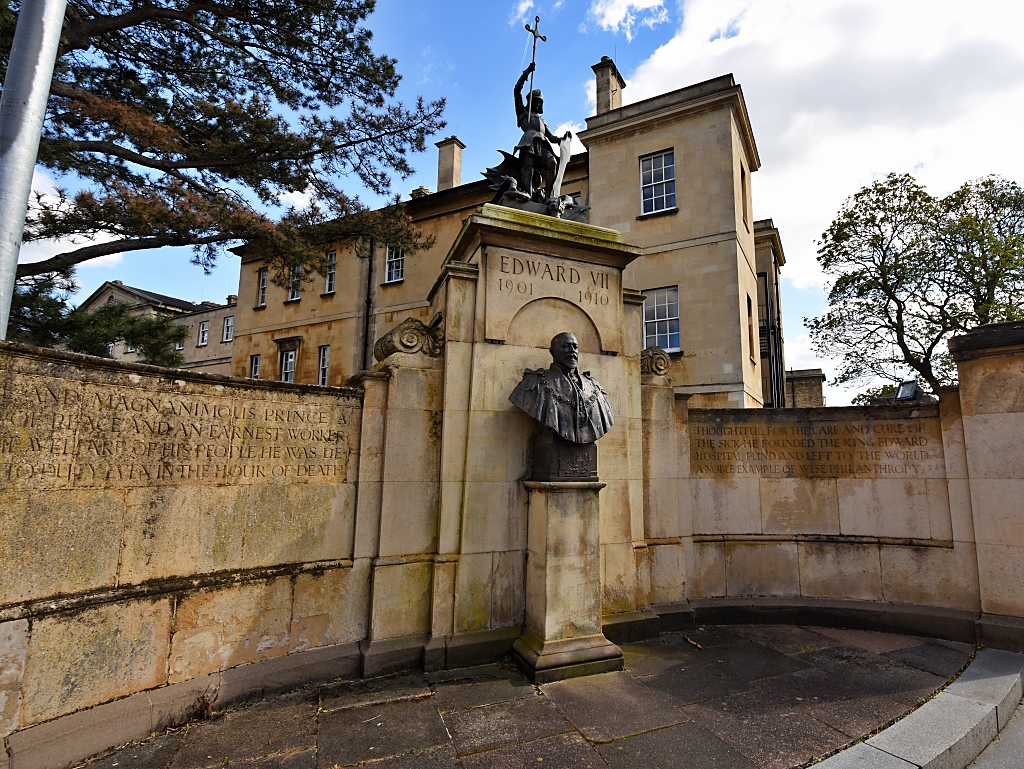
[410, 336]
[654, 361]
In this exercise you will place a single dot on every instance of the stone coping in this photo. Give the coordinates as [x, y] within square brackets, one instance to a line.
[952, 728]
[991, 339]
[199, 377]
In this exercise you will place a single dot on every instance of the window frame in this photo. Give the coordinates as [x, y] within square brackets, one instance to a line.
[323, 365]
[204, 334]
[294, 283]
[129, 347]
[262, 278]
[254, 367]
[652, 293]
[179, 345]
[228, 334]
[393, 256]
[330, 278]
[288, 374]
[653, 184]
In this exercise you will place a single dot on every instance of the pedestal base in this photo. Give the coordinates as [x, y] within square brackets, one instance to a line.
[545, 661]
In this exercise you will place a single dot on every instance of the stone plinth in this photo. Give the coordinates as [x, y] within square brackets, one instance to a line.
[563, 637]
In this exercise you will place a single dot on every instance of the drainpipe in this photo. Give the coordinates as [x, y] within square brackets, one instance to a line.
[367, 347]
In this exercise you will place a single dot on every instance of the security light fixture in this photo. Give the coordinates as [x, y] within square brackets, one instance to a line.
[907, 391]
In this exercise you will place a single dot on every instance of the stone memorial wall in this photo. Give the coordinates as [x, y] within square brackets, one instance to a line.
[158, 529]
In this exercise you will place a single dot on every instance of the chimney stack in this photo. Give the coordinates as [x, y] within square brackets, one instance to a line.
[609, 85]
[449, 163]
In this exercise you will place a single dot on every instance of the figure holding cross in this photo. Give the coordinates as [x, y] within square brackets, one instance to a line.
[537, 147]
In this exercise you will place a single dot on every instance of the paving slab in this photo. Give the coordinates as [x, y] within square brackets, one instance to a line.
[749, 661]
[286, 723]
[877, 673]
[687, 745]
[772, 734]
[506, 723]
[373, 691]
[835, 701]
[1006, 751]
[660, 655]
[611, 705]
[152, 754]
[462, 695]
[948, 733]
[993, 677]
[377, 731]
[709, 636]
[565, 751]
[305, 759]
[863, 756]
[787, 639]
[690, 685]
[869, 640]
[932, 658]
[437, 758]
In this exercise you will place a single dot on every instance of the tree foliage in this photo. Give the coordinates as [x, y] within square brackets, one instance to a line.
[41, 315]
[190, 119]
[909, 271]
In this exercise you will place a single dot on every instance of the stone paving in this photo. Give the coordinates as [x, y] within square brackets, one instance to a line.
[722, 697]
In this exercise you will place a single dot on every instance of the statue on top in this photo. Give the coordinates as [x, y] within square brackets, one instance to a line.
[531, 178]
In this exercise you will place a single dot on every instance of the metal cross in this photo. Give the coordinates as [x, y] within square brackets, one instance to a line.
[536, 34]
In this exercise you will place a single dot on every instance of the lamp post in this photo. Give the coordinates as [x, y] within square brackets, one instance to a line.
[22, 109]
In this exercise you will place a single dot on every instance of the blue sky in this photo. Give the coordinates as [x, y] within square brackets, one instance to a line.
[840, 92]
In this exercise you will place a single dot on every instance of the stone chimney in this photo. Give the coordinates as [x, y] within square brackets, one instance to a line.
[419, 192]
[449, 163]
[609, 85]
[232, 299]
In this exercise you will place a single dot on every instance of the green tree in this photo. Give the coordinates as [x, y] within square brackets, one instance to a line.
[908, 271]
[188, 120]
[41, 315]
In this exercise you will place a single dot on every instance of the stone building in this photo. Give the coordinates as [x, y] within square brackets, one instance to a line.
[208, 346]
[671, 173]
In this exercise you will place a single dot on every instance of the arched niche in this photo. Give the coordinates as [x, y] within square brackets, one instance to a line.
[537, 322]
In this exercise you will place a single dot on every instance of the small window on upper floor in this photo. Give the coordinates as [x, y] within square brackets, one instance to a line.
[658, 182]
[261, 287]
[295, 283]
[254, 366]
[204, 333]
[229, 329]
[394, 265]
[332, 264]
[129, 347]
[743, 197]
[661, 318]
[179, 345]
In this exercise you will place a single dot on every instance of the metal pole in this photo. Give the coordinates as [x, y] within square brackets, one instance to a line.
[22, 109]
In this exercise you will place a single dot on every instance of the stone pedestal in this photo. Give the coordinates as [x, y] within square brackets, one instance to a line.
[563, 637]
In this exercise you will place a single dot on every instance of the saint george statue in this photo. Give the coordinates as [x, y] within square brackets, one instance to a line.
[571, 403]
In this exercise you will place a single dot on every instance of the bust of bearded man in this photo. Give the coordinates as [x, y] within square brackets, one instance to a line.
[568, 401]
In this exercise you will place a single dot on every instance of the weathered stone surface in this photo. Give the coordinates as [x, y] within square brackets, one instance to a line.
[61, 541]
[217, 629]
[13, 647]
[95, 656]
[840, 571]
[401, 605]
[331, 607]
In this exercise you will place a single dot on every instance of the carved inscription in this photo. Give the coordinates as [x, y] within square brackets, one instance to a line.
[868, 448]
[56, 434]
[516, 278]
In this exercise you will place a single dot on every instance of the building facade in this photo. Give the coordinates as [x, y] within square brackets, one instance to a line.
[211, 326]
[671, 173]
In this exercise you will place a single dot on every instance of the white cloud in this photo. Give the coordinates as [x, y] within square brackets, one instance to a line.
[520, 11]
[841, 93]
[575, 128]
[624, 15]
[38, 250]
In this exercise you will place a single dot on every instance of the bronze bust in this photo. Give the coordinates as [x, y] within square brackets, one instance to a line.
[572, 406]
